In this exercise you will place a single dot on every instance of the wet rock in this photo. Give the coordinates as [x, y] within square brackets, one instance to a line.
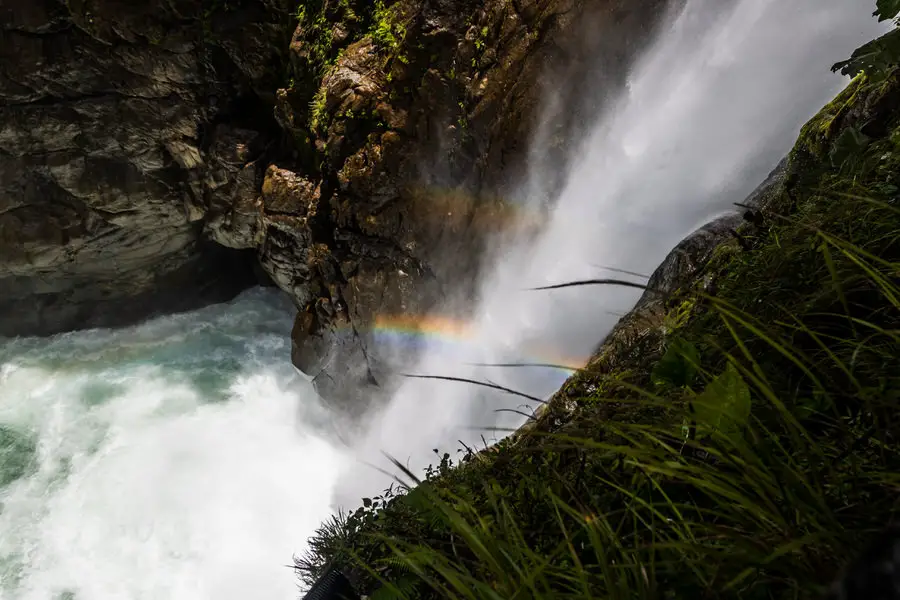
[642, 331]
[122, 127]
[143, 167]
[691, 254]
[413, 124]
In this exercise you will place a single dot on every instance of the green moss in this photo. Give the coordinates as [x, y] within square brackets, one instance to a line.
[349, 12]
[317, 112]
[723, 253]
[389, 32]
[481, 40]
[322, 50]
[462, 120]
[815, 135]
[319, 35]
[387, 28]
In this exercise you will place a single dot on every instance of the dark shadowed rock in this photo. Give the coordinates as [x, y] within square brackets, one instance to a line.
[413, 123]
[150, 153]
[692, 253]
[122, 126]
[643, 329]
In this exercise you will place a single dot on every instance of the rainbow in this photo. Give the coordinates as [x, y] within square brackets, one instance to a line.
[430, 331]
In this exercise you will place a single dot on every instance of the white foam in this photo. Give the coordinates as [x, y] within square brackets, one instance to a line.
[146, 489]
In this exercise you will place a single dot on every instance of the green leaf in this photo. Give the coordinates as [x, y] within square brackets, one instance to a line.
[725, 403]
[367, 502]
[875, 58]
[678, 366]
[887, 9]
[403, 588]
[851, 142]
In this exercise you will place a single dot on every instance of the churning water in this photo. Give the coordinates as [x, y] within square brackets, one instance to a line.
[181, 459]
[186, 459]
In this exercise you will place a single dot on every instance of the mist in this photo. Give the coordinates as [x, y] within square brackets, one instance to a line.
[712, 106]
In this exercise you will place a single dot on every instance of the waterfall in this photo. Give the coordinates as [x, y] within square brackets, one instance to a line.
[713, 105]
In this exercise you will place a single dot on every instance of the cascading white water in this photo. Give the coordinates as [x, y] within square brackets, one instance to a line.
[714, 104]
[181, 459]
[185, 458]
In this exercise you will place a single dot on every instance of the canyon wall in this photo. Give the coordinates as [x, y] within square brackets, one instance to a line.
[158, 155]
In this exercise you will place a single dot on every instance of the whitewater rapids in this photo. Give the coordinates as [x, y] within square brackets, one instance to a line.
[181, 459]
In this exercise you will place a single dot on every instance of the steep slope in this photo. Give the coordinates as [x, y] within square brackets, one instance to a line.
[734, 437]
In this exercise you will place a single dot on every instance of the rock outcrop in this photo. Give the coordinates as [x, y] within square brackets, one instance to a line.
[152, 153]
[643, 329]
[122, 125]
[412, 123]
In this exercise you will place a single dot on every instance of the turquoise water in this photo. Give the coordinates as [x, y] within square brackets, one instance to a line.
[179, 459]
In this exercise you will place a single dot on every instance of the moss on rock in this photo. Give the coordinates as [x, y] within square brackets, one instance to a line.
[391, 99]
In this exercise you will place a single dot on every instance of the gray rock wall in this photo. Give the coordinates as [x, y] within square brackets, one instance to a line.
[121, 128]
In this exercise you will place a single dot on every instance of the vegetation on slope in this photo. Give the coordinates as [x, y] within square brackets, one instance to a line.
[329, 29]
[746, 446]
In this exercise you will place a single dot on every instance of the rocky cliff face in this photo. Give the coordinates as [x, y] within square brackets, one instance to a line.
[412, 123]
[121, 124]
[144, 167]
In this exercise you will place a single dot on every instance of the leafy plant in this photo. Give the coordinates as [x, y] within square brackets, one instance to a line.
[724, 405]
[387, 29]
[678, 367]
[874, 58]
[878, 56]
[887, 9]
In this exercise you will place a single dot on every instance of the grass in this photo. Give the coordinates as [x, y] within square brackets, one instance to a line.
[743, 447]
